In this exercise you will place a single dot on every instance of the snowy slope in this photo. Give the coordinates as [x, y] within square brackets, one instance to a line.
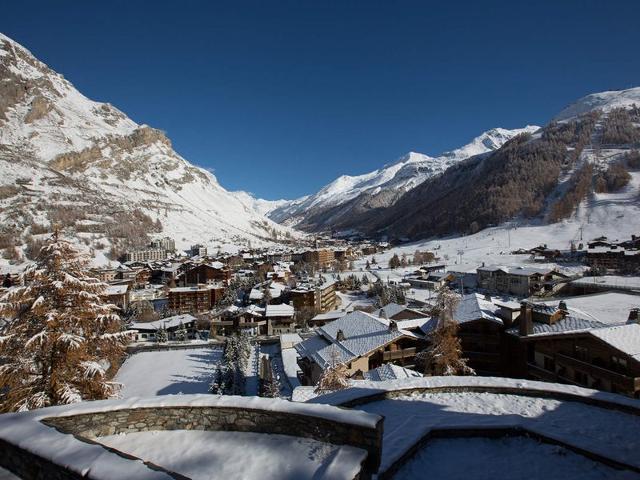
[390, 181]
[604, 101]
[59, 148]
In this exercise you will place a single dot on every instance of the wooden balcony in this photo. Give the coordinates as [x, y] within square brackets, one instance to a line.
[399, 354]
[628, 383]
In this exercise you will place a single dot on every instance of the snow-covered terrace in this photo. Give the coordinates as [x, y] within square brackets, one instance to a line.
[202, 436]
[599, 426]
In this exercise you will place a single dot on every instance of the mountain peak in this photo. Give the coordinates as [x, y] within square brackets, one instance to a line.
[604, 101]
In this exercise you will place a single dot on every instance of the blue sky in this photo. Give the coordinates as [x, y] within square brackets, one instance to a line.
[279, 98]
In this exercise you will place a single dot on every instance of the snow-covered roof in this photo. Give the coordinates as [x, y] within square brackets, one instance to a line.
[362, 333]
[389, 371]
[116, 289]
[389, 310]
[169, 322]
[608, 308]
[328, 316]
[516, 270]
[476, 307]
[625, 338]
[282, 310]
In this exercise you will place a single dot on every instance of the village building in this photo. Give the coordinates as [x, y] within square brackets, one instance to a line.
[613, 258]
[197, 250]
[280, 319]
[148, 331]
[146, 255]
[205, 273]
[234, 319]
[317, 295]
[322, 319]
[322, 257]
[119, 295]
[196, 299]
[567, 345]
[520, 281]
[362, 342]
[165, 243]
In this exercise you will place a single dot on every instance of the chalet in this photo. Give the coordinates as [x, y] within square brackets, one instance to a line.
[236, 319]
[196, 299]
[279, 319]
[566, 345]
[148, 331]
[481, 322]
[361, 341]
[206, 273]
[394, 311]
[613, 258]
[322, 319]
[105, 275]
[119, 295]
[519, 281]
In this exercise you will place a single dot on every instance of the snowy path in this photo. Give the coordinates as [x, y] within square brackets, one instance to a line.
[228, 455]
[252, 383]
[168, 372]
[273, 352]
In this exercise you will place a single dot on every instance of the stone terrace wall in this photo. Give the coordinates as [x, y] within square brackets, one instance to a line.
[111, 422]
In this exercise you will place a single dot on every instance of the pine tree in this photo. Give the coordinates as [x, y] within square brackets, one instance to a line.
[161, 335]
[272, 387]
[181, 333]
[60, 338]
[334, 377]
[444, 355]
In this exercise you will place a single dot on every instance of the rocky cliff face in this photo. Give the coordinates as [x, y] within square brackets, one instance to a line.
[62, 152]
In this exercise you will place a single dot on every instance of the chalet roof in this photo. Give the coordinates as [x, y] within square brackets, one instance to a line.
[362, 332]
[476, 307]
[625, 338]
[167, 323]
[518, 270]
[389, 371]
[389, 310]
[570, 324]
[282, 310]
[116, 289]
[329, 316]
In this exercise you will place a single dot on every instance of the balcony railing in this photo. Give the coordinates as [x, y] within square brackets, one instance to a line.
[595, 371]
[398, 354]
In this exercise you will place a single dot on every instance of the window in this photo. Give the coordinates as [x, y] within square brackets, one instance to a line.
[581, 377]
[549, 364]
[582, 353]
[619, 364]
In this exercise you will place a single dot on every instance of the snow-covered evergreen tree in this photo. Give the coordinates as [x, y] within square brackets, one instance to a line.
[60, 338]
[181, 333]
[272, 387]
[161, 335]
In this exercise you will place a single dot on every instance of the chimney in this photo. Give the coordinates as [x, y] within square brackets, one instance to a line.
[562, 306]
[525, 322]
[633, 316]
[487, 297]
[393, 326]
[340, 336]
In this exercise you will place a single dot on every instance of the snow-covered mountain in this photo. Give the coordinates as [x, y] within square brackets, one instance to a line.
[59, 149]
[603, 101]
[384, 186]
